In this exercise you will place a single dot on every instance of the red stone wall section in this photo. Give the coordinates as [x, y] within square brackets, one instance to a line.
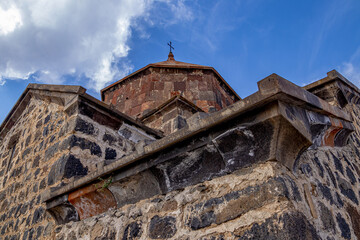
[138, 94]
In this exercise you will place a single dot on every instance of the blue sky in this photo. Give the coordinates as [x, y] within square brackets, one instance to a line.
[91, 44]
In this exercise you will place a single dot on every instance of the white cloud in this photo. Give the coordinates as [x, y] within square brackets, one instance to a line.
[350, 72]
[51, 39]
[10, 19]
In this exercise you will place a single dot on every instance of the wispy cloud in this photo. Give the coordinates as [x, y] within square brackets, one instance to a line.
[331, 15]
[351, 72]
[48, 40]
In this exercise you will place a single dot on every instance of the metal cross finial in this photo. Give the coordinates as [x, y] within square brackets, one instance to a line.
[171, 47]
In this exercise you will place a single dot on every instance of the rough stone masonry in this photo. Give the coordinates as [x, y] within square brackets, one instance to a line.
[192, 161]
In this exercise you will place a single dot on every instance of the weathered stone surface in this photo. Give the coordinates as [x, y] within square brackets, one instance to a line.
[347, 190]
[84, 127]
[293, 225]
[83, 143]
[66, 167]
[189, 168]
[355, 219]
[233, 204]
[326, 218]
[162, 227]
[132, 231]
[344, 226]
[110, 154]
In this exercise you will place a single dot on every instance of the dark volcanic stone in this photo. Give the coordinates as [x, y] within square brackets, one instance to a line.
[326, 192]
[204, 220]
[339, 201]
[28, 139]
[47, 119]
[306, 169]
[39, 232]
[37, 215]
[26, 152]
[83, 143]
[110, 154]
[350, 175]
[355, 219]
[84, 127]
[189, 168]
[347, 190]
[320, 167]
[338, 164]
[162, 227]
[66, 167]
[327, 218]
[293, 225]
[110, 139]
[243, 147]
[344, 227]
[331, 175]
[294, 189]
[132, 231]
[45, 131]
[50, 151]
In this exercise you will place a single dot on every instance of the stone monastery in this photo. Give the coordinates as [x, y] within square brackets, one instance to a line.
[172, 152]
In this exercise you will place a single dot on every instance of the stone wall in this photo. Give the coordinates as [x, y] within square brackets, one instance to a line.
[55, 139]
[24, 172]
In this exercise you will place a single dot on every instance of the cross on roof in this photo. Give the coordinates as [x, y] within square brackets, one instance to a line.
[171, 47]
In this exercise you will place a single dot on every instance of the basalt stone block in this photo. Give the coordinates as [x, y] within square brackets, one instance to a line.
[326, 192]
[344, 227]
[38, 214]
[45, 131]
[339, 202]
[132, 231]
[66, 167]
[243, 146]
[331, 175]
[319, 166]
[355, 219]
[326, 218]
[110, 139]
[189, 168]
[47, 118]
[292, 225]
[350, 175]
[84, 127]
[203, 220]
[162, 227]
[83, 143]
[337, 163]
[50, 151]
[231, 205]
[347, 190]
[132, 190]
[110, 154]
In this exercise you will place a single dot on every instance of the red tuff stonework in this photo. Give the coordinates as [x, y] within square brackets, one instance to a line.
[151, 86]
